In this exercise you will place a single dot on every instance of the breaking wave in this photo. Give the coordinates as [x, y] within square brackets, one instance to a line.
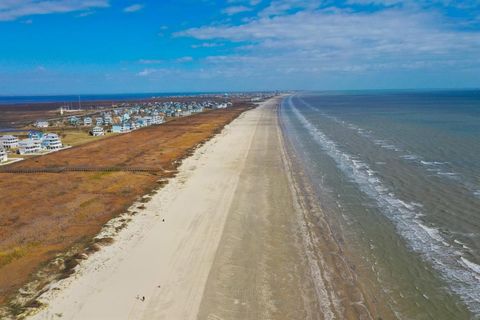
[440, 169]
[460, 274]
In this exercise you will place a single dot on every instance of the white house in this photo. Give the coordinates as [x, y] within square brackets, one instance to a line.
[28, 146]
[97, 131]
[157, 119]
[51, 141]
[9, 142]
[123, 128]
[35, 135]
[107, 119]
[41, 124]
[3, 155]
[87, 121]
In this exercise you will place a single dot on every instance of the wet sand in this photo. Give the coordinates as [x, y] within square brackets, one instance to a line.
[236, 243]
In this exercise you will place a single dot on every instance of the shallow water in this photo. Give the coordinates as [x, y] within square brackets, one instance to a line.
[400, 173]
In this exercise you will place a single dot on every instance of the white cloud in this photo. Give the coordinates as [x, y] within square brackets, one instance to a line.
[236, 9]
[150, 61]
[146, 72]
[328, 40]
[207, 45]
[14, 9]
[184, 59]
[133, 8]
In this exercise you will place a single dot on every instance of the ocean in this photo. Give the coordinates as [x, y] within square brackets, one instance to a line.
[398, 173]
[93, 97]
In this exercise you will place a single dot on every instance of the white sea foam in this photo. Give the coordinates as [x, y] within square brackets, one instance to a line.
[425, 240]
[472, 266]
[477, 193]
[437, 167]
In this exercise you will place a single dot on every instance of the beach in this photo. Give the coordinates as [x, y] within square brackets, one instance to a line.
[219, 241]
[166, 252]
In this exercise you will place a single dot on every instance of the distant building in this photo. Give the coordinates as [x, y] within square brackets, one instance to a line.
[41, 124]
[35, 135]
[221, 106]
[51, 141]
[9, 142]
[97, 131]
[3, 155]
[157, 119]
[121, 128]
[73, 120]
[28, 146]
[125, 117]
[99, 121]
[107, 119]
[87, 121]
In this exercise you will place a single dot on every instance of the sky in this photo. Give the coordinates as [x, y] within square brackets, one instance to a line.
[121, 46]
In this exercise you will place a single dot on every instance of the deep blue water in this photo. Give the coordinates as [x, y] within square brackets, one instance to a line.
[91, 97]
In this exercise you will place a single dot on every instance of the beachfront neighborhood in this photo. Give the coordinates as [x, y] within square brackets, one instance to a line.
[120, 119]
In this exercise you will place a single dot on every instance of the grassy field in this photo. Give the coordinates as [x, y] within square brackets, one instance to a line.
[45, 215]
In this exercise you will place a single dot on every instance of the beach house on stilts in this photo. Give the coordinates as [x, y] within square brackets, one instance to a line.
[3, 155]
[51, 141]
[9, 142]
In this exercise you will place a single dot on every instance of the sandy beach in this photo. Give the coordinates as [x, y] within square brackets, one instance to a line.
[225, 239]
[167, 251]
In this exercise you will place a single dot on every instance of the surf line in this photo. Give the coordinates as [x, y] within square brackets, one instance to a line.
[424, 240]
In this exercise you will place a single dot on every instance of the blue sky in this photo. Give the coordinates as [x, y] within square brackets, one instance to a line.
[116, 46]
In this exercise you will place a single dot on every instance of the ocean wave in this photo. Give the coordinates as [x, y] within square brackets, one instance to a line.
[439, 168]
[425, 240]
[471, 265]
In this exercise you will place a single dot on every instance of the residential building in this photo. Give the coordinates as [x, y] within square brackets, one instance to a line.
[9, 142]
[35, 135]
[107, 119]
[51, 141]
[97, 131]
[28, 146]
[41, 124]
[3, 155]
[87, 121]
[121, 128]
[73, 120]
[157, 119]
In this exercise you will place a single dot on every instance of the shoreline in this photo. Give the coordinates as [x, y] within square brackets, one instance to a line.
[241, 239]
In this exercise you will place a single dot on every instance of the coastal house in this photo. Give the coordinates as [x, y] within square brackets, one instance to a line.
[9, 142]
[35, 135]
[3, 155]
[121, 128]
[97, 131]
[41, 124]
[221, 106]
[157, 119]
[87, 121]
[29, 146]
[133, 125]
[107, 119]
[73, 120]
[125, 117]
[99, 121]
[51, 141]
